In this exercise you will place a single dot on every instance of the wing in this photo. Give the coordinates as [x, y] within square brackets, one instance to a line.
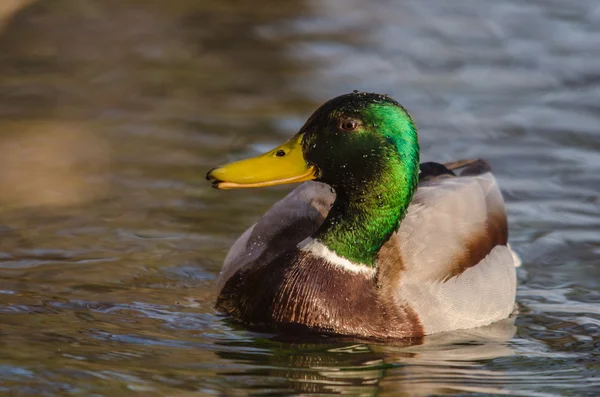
[450, 260]
[451, 225]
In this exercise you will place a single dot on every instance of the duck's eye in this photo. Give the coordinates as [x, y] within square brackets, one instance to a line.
[280, 153]
[349, 125]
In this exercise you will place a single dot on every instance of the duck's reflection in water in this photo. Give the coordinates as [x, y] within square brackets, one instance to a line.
[446, 363]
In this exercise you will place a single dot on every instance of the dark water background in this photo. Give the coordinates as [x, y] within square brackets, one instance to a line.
[111, 112]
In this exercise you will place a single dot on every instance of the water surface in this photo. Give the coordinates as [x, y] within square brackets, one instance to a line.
[111, 112]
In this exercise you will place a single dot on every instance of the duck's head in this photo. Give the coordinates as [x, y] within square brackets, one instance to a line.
[347, 143]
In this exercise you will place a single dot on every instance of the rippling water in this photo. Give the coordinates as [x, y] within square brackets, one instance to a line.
[112, 111]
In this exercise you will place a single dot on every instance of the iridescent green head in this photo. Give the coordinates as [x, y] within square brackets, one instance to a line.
[365, 146]
[353, 139]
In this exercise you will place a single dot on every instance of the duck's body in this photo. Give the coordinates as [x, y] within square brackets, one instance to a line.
[340, 264]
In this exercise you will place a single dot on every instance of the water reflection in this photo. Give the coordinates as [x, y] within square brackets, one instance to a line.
[439, 364]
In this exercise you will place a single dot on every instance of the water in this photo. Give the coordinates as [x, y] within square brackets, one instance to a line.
[111, 112]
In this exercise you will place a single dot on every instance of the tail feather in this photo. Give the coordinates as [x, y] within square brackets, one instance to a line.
[471, 166]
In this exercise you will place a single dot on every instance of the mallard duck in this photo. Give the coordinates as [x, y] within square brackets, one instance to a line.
[372, 244]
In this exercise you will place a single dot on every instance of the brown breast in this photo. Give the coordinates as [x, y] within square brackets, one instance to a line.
[299, 289]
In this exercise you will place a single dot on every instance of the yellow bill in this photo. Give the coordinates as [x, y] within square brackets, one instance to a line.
[284, 164]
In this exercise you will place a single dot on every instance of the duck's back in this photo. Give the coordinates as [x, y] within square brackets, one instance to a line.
[449, 261]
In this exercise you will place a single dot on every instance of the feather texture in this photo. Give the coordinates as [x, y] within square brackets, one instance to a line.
[449, 261]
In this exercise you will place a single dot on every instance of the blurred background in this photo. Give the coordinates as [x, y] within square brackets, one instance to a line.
[112, 111]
